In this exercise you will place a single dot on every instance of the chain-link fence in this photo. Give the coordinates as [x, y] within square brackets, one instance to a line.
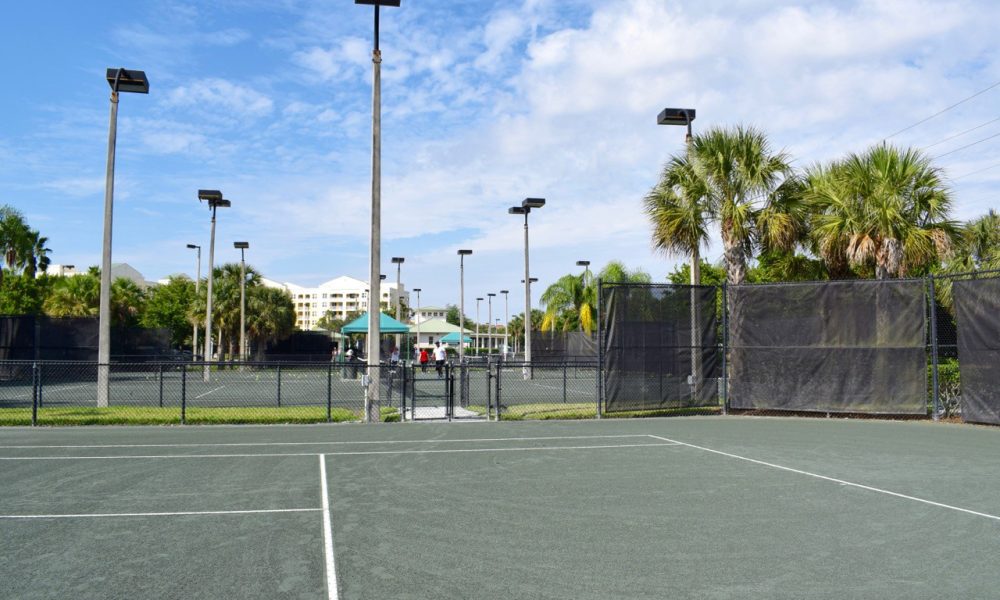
[965, 346]
[913, 348]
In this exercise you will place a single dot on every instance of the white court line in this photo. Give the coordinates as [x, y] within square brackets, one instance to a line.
[165, 514]
[517, 439]
[358, 453]
[331, 568]
[49, 390]
[833, 479]
[209, 392]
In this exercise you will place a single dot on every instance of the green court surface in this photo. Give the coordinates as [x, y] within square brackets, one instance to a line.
[697, 507]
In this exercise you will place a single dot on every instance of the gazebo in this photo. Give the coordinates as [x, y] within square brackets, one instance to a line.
[387, 326]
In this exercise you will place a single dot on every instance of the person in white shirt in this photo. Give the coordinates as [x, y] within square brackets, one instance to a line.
[440, 355]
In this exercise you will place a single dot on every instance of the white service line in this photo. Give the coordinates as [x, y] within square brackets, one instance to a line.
[209, 392]
[833, 479]
[165, 514]
[357, 453]
[331, 568]
[341, 443]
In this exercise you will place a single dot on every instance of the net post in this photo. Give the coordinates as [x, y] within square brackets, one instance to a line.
[935, 384]
[725, 348]
[600, 346]
[329, 392]
[183, 394]
[35, 382]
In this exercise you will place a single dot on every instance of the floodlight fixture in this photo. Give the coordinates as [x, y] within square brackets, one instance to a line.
[378, 2]
[533, 203]
[583, 263]
[381, 277]
[417, 290]
[398, 260]
[675, 116]
[464, 252]
[127, 80]
[504, 291]
[241, 245]
[209, 195]
[193, 246]
[533, 280]
[491, 295]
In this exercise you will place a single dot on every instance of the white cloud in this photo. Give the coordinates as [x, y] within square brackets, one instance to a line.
[219, 94]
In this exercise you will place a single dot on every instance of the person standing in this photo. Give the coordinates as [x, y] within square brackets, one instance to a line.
[440, 354]
[424, 358]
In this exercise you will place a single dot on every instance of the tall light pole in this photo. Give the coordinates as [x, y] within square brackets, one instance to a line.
[120, 80]
[372, 391]
[478, 342]
[416, 316]
[525, 209]
[489, 323]
[398, 261]
[461, 304]
[215, 201]
[242, 247]
[684, 116]
[506, 323]
[530, 280]
[197, 288]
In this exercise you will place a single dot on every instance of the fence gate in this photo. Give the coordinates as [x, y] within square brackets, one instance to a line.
[429, 395]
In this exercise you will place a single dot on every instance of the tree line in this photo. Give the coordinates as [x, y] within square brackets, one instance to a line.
[26, 289]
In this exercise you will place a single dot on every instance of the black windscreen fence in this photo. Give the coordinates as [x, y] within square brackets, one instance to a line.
[29, 337]
[977, 310]
[563, 346]
[844, 347]
[660, 346]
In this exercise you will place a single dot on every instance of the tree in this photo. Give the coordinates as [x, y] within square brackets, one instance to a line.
[452, 315]
[616, 272]
[679, 212]
[270, 315]
[23, 295]
[76, 296]
[168, 307]
[15, 240]
[710, 274]
[331, 322]
[740, 172]
[570, 301]
[128, 302]
[888, 208]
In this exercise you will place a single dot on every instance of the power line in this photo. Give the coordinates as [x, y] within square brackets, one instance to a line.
[942, 111]
[967, 145]
[993, 166]
[949, 138]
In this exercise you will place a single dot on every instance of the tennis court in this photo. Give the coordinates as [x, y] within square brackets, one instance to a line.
[713, 507]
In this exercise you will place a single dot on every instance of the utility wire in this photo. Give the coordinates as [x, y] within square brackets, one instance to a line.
[949, 138]
[942, 111]
[967, 145]
[993, 166]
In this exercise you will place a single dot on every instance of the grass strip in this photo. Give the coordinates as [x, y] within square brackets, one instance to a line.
[151, 415]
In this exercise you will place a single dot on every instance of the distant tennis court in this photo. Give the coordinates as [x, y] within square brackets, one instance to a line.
[657, 508]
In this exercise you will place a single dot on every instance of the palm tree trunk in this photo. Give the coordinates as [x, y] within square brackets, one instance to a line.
[889, 259]
[736, 268]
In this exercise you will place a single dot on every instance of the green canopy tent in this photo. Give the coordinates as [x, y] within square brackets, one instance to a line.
[452, 338]
[387, 326]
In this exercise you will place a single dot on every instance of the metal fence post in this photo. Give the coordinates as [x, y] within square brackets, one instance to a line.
[564, 382]
[725, 348]
[41, 387]
[279, 385]
[498, 394]
[600, 347]
[160, 380]
[183, 394]
[935, 387]
[329, 392]
[35, 379]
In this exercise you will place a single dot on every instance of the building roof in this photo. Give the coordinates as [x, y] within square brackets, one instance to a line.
[438, 327]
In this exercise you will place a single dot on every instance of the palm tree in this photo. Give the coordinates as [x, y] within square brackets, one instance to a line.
[679, 212]
[38, 259]
[616, 272]
[740, 172]
[15, 239]
[571, 301]
[77, 296]
[888, 208]
[127, 302]
[270, 315]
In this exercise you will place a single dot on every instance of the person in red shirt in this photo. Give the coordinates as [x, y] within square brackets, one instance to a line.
[424, 359]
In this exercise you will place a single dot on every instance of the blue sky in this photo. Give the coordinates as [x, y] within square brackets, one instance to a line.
[485, 102]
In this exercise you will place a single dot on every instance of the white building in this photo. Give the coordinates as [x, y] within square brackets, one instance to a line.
[342, 295]
[426, 313]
